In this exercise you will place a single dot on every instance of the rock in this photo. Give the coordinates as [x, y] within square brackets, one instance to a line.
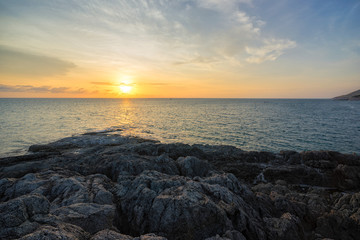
[348, 177]
[110, 235]
[90, 217]
[192, 166]
[16, 213]
[62, 231]
[150, 236]
[287, 226]
[234, 235]
[107, 186]
[229, 235]
[322, 164]
[181, 208]
[247, 172]
[337, 226]
[13, 213]
[294, 175]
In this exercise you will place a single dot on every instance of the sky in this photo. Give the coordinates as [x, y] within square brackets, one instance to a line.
[179, 48]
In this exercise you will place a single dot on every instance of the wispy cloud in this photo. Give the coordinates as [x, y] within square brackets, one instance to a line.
[196, 60]
[222, 5]
[270, 51]
[16, 62]
[135, 35]
[40, 89]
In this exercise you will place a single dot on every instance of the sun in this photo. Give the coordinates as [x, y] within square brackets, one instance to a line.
[125, 88]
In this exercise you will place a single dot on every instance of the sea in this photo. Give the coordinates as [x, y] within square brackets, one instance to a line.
[249, 124]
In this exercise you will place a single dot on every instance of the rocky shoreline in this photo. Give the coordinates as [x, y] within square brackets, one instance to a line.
[106, 186]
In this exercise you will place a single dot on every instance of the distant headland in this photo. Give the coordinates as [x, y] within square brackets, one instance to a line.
[351, 96]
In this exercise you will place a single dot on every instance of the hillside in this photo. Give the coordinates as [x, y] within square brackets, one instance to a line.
[351, 96]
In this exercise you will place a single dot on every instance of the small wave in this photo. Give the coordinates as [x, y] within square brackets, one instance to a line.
[107, 130]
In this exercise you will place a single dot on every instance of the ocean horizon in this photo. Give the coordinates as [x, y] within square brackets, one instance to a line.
[257, 124]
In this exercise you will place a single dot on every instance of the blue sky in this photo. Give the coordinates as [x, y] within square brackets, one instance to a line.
[184, 48]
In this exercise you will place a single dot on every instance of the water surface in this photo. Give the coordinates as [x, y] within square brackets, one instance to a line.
[250, 124]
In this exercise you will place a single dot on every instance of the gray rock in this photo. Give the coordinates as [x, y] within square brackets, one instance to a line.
[286, 227]
[16, 213]
[89, 216]
[181, 208]
[62, 231]
[112, 235]
[192, 166]
[150, 236]
[229, 235]
[13, 213]
[107, 186]
[108, 234]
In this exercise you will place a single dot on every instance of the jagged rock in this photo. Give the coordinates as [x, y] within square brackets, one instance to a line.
[110, 235]
[192, 166]
[150, 236]
[342, 222]
[114, 166]
[286, 227]
[90, 217]
[294, 174]
[107, 186]
[181, 208]
[229, 235]
[61, 231]
[15, 215]
[348, 177]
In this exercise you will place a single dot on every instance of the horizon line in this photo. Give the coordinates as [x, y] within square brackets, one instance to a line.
[160, 98]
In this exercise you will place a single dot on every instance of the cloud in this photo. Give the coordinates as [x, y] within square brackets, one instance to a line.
[144, 35]
[41, 89]
[270, 51]
[222, 5]
[247, 23]
[17, 62]
[104, 83]
[154, 83]
[196, 60]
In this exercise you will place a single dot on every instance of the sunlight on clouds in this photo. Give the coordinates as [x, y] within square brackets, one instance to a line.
[126, 79]
[125, 88]
[144, 35]
[126, 84]
[103, 45]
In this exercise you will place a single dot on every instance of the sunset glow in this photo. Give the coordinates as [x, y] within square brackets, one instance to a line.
[185, 49]
[125, 89]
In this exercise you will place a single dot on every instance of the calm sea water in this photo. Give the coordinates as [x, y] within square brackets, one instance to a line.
[250, 124]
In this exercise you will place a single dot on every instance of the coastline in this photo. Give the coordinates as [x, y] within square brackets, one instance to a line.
[107, 186]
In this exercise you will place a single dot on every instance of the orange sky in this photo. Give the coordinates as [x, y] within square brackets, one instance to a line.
[171, 49]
